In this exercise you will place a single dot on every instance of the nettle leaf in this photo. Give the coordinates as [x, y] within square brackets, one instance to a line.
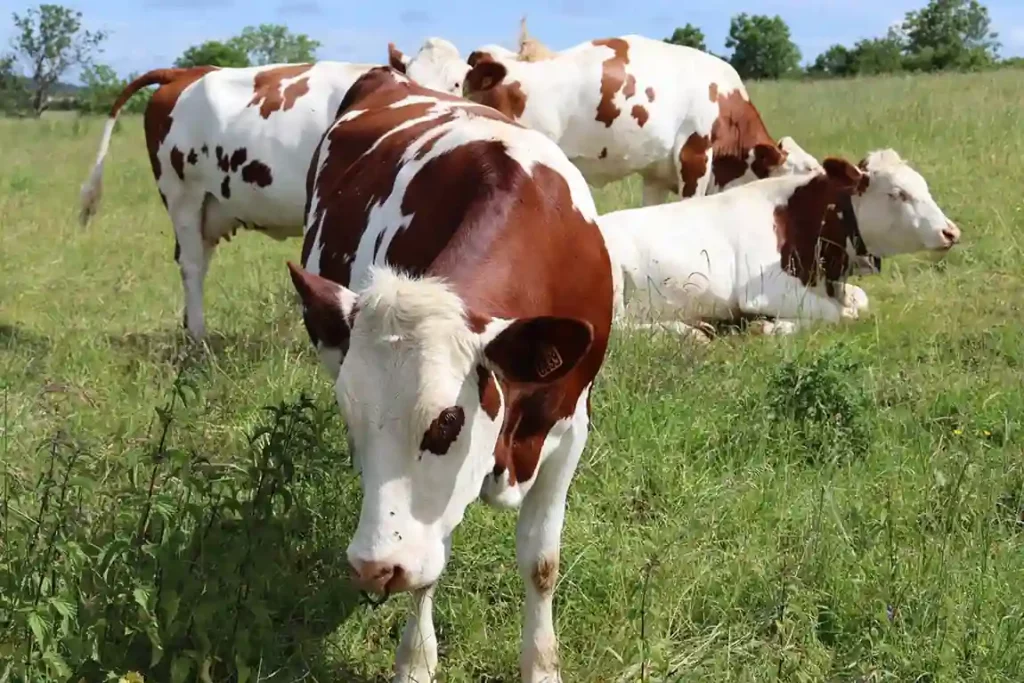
[39, 626]
[141, 596]
[181, 667]
[64, 607]
[170, 600]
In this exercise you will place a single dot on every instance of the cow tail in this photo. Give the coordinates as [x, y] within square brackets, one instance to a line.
[92, 189]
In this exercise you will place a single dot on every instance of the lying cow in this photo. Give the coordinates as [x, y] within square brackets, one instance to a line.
[779, 247]
[459, 291]
[229, 148]
[679, 117]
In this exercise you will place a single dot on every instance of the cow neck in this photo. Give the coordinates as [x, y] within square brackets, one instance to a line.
[851, 226]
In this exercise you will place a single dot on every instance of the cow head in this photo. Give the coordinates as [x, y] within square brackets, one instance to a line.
[421, 389]
[437, 65]
[487, 83]
[896, 211]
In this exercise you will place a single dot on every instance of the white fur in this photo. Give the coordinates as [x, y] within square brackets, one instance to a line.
[437, 66]
[711, 258]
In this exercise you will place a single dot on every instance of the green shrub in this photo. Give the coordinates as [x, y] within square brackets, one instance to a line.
[169, 562]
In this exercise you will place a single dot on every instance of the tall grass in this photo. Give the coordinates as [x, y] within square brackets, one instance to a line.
[845, 505]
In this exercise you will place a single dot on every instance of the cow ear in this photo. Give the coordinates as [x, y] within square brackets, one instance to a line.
[396, 59]
[768, 156]
[842, 173]
[327, 307]
[539, 350]
[484, 75]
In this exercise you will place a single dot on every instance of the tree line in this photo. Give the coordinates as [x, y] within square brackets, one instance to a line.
[944, 35]
[49, 41]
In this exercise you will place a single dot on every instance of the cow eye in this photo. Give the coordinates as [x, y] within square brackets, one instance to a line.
[901, 195]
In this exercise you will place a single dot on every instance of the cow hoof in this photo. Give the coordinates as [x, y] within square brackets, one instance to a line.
[784, 327]
[854, 297]
[761, 327]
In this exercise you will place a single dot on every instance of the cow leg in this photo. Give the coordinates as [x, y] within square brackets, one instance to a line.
[853, 297]
[784, 296]
[652, 193]
[773, 328]
[416, 660]
[193, 256]
[538, 543]
[702, 332]
[198, 225]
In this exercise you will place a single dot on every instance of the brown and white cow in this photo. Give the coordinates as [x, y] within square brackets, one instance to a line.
[229, 147]
[779, 247]
[679, 117]
[459, 292]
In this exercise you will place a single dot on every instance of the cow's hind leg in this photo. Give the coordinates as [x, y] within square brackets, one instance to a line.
[416, 660]
[538, 542]
[653, 193]
[198, 225]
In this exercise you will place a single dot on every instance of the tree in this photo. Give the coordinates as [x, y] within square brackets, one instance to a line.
[101, 88]
[873, 56]
[275, 44]
[762, 47]
[690, 36]
[949, 34]
[13, 93]
[837, 61]
[50, 40]
[213, 53]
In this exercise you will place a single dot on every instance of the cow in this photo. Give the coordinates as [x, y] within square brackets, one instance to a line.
[679, 117]
[229, 147]
[778, 247]
[459, 293]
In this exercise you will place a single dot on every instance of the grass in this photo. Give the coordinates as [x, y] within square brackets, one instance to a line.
[844, 505]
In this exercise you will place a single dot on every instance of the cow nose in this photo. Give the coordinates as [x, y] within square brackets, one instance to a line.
[951, 233]
[375, 576]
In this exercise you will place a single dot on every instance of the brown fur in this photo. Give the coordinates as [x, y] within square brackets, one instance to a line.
[693, 163]
[268, 95]
[613, 77]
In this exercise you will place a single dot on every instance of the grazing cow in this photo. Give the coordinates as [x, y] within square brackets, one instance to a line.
[779, 247]
[679, 117]
[459, 292]
[229, 147]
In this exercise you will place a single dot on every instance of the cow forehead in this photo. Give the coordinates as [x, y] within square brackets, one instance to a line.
[899, 175]
[411, 345]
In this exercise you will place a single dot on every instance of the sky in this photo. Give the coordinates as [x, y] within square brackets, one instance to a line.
[147, 34]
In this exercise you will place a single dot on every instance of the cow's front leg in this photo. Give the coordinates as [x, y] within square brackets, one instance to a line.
[416, 660]
[852, 298]
[783, 296]
[538, 542]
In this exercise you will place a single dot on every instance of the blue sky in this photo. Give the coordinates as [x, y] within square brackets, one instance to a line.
[146, 34]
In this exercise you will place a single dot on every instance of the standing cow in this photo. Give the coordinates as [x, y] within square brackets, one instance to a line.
[679, 117]
[459, 291]
[229, 147]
